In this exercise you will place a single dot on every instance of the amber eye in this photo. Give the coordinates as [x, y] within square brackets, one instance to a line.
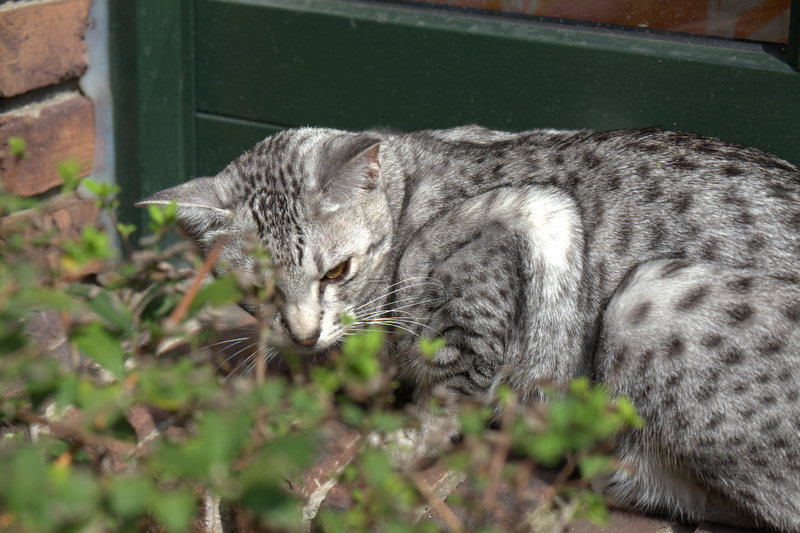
[337, 272]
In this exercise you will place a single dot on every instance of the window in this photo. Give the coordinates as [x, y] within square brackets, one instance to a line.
[755, 20]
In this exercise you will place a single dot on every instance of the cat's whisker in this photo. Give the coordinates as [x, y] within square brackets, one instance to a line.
[409, 321]
[407, 302]
[393, 291]
[402, 308]
[389, 312]
[236, 371]
[402, 320]
[230, 357]
[251, 361]
[399, 326]
[231, 342]
[392, 306]
[403, 324]
[226, 341]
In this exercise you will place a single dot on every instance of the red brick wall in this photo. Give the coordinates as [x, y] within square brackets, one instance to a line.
[42, 54]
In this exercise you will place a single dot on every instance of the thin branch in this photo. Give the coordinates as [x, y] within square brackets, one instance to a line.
[180, 311]
[565, 516]
[499, 458]
[68, 431]
[436, 503]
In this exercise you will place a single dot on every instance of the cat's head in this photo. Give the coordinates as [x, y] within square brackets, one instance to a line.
[315, 200]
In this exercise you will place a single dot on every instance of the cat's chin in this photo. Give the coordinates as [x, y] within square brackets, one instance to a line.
[322, 347]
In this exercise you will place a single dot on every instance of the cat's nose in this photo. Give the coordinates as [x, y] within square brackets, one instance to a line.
[302, 323]
[310, 341]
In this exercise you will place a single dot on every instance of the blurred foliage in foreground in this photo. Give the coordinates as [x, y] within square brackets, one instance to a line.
[75, 457]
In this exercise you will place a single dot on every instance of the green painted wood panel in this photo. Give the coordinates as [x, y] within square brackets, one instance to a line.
[152, 71]
[224, 139]
[793, 46]
[357, 65]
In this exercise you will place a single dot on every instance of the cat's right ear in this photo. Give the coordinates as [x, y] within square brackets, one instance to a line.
[353, 166]
[204, 204]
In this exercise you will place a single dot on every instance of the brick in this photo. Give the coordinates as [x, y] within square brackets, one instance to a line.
[41, 43]
[54, 130]
[69, 215]
[65, 217]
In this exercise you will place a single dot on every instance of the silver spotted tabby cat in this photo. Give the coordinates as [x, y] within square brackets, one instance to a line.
[666, 265]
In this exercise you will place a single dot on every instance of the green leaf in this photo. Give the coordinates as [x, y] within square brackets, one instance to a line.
[474, 420]
[175, 509]
[351, 414]
[360, 355]
[129, 495]
[156, 213]
[430, 347]
[17, 147]
[93, 244]
[11, 340]
[10, 203]
[104, 190]
[549, 448]
[31, 298]
[386, 421]
[376, 466]
[105, 399]
[347, 319]
[69, 172]
[327, 380]
[628, 413]
[397, 527]
[593, 508]
[271, 393]
[275, 509]
[76, 494]
[67, 391]
[101, 345]
[221, 291]
[108, 307]
[125, 229]
[23, 478]
[162, 217]
[593, 465]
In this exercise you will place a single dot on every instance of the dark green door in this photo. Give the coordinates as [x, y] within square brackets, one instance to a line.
[197, 82]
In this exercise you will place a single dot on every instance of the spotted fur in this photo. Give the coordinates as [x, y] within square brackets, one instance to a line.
[664, 264]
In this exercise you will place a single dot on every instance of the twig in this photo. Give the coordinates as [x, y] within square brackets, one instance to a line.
[565, 517]
[436, 503]
[563, 476]
[183, 306]
[62, 430]
[498, 458]
[261, 353]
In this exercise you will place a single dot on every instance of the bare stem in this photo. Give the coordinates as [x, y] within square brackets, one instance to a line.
[183, 306]
[436, 503]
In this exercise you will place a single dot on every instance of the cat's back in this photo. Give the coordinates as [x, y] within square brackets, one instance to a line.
[637, 194]
[647, 194]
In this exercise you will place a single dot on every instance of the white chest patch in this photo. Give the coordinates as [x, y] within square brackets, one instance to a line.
[549, 218]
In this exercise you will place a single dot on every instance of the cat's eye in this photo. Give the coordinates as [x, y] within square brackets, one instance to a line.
[337, 272]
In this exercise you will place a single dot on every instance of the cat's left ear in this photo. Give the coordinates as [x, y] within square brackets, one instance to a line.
[352, 167]
[204, 205]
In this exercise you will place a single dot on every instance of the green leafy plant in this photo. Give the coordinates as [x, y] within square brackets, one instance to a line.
[117, 418]
[17, 148]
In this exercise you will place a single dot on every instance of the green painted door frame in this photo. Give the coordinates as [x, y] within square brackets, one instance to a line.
[197, 82]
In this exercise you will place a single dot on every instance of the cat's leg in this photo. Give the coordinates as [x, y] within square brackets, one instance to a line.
[710, 357]
[503, 313]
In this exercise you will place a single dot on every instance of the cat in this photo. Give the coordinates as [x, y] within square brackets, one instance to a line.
[665, 265]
